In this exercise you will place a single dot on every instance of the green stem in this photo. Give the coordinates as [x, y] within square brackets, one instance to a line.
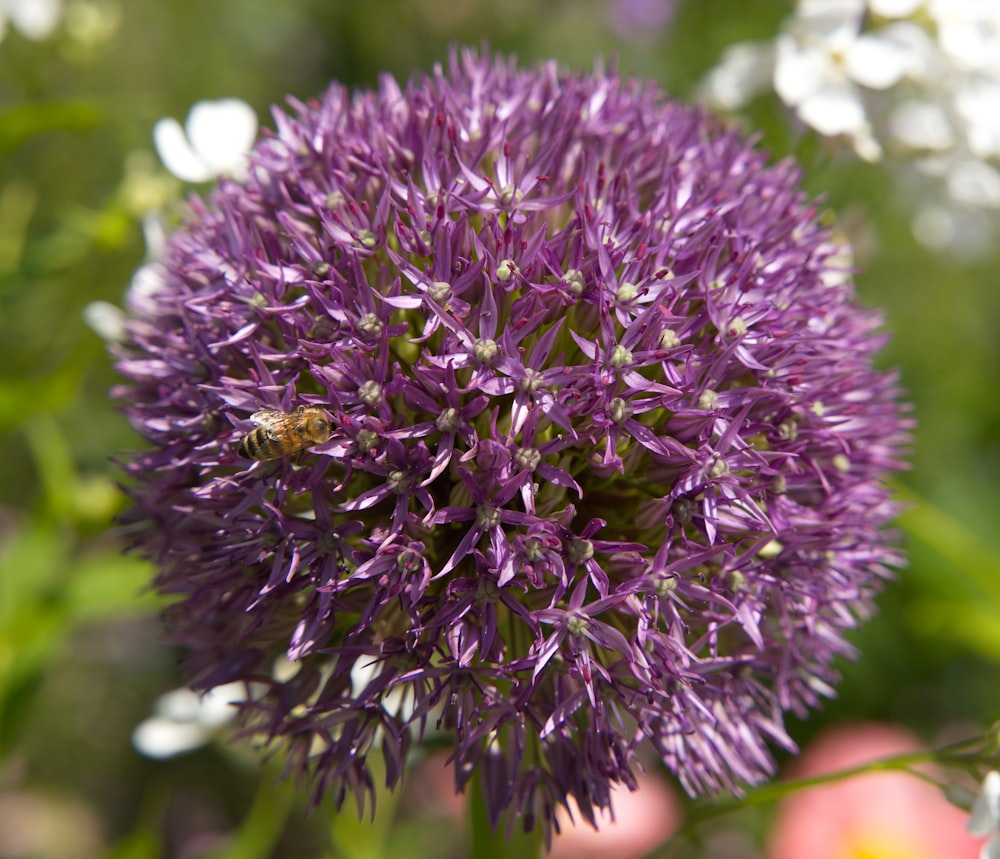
[264, 823]
[487, 844]
[960, 754]
[366, 836]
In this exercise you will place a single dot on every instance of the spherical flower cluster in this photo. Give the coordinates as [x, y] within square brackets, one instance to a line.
[607, 454]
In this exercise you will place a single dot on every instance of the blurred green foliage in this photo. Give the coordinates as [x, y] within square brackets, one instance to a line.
[79, 659]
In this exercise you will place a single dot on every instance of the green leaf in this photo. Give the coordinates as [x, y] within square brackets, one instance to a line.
[954, 542]
[262, 827]
[22, 399]
[54, 463]
[109, 585]
[30, 563]
[23, 122]
[966, 622]
[46, 593]
[144, 843]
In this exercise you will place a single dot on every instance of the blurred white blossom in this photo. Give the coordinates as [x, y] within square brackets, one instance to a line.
[824, 63]
[746, 70]
[985, 818]
[107, 320]
[146, 282]
[33, 19]
[214, 140]
[184, 720]
[912, 81]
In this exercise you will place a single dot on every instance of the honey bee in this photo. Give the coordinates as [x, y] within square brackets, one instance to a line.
[279, 434]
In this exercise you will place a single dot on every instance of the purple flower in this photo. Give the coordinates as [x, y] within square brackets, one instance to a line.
[639, 20]
[608, 451]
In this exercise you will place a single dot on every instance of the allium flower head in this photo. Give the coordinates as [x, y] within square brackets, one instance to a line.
[607, 453]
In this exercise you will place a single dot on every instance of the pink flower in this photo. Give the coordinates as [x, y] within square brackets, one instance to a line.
[430, 791]
[890, 815]
[643, 819]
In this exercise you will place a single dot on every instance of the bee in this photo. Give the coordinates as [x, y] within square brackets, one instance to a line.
[279, 434]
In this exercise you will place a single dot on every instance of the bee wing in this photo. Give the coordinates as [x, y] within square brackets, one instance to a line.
[272, 420]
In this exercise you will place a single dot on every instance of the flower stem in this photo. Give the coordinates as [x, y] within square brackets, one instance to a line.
[487, 844]
[954, 754]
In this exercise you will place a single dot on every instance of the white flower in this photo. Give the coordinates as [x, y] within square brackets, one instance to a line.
[824, 63]
[894, 8]
[214, 141]
[155, 235]
[185, 720]
[105, 319]
[745, 70]
[953, 217]
[959, 231]
[33, 19]
[977, 102]
[969, 32]
[810, 73]
[923, 76]
[985, 818]
[394, 702]
[974, 183]
[146, 282]
[921, 124]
